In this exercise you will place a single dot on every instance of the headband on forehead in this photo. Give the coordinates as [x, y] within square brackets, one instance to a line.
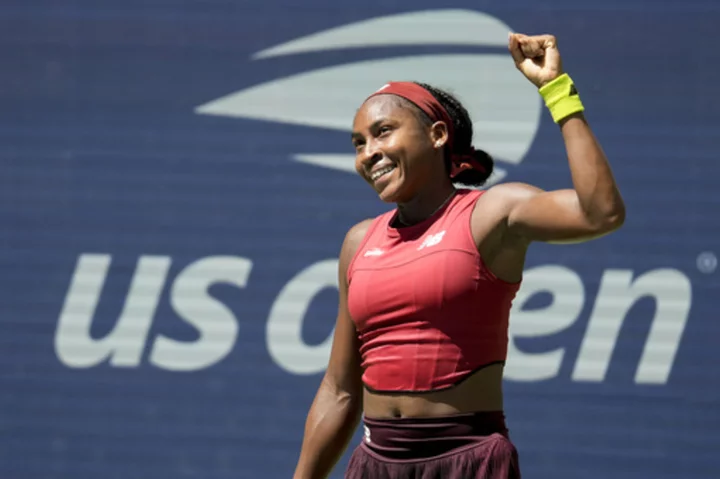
[425, 100]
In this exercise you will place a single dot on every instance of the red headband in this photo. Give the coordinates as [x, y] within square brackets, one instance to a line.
[424, 100]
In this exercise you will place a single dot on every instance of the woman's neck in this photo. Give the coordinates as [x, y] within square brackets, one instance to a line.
[423, 206]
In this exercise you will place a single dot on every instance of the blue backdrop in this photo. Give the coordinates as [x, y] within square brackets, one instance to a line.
[175, 187]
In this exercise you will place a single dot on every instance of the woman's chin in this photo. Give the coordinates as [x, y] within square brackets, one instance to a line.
[390, 193]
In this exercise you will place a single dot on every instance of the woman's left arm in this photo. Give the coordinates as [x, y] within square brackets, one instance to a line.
[594, 207]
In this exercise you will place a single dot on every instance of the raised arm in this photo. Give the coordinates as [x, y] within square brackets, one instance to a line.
[594, 207]
[336, 410]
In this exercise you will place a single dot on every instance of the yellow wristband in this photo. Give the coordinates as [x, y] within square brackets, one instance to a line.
[561, 98]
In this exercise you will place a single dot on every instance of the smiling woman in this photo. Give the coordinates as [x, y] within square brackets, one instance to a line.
[410, 109]
[426, 289]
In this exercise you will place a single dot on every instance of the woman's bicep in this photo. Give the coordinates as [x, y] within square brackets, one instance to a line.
[344, 369]
[549, 216]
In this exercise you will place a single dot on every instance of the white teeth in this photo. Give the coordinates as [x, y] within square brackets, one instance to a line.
[381, 172]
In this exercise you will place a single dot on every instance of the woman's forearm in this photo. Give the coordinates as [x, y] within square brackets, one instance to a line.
[331, 423]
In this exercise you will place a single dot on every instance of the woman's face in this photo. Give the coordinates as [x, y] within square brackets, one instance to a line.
[397, 152]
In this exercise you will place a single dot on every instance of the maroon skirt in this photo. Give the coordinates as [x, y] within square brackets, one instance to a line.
[462, 446]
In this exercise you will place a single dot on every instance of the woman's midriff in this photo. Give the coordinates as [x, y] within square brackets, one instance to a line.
[482, 391]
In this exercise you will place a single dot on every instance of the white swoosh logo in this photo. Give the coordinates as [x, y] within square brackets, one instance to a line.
[505, 107]
[430, 27]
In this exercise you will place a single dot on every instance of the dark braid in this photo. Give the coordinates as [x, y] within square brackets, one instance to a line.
[462, 142]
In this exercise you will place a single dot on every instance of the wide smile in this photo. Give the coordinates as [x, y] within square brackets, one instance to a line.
[376, 175]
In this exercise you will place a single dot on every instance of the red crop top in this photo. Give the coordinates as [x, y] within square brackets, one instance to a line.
[427, 310]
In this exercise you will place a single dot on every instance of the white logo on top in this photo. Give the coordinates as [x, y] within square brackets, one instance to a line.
[373, 252]
[432, 240]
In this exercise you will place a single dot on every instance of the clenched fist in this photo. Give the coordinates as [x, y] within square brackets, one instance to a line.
[537, 57]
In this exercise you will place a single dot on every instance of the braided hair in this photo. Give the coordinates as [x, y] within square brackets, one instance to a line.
[462, 142]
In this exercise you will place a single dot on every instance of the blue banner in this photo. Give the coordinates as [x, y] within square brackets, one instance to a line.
[177, 178]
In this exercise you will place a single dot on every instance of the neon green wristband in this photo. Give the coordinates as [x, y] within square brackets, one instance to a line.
[561, 98]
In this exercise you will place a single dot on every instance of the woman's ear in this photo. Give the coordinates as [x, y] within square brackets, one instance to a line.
[439, 135]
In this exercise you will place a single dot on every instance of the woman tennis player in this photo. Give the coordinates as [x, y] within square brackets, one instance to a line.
[426, 289]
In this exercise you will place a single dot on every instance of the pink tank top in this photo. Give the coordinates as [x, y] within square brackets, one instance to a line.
[427, 311]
